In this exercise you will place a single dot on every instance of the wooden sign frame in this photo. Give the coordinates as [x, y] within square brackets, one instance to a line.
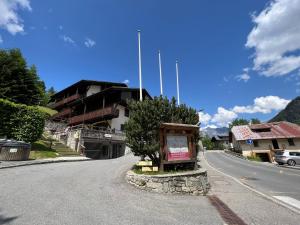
[176, 129]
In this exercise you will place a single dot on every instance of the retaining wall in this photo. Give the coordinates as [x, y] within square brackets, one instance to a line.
[192, 182]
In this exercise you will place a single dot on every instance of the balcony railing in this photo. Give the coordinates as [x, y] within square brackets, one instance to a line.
[66, 100]
[107, 134]
[63, 113]
[108, 111]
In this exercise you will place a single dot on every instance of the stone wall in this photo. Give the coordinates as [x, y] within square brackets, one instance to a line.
[192, 182]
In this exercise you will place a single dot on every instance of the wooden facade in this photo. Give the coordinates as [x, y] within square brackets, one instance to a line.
[94, 114]
[77, 104]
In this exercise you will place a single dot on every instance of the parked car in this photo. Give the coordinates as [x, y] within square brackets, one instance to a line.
[286, 157]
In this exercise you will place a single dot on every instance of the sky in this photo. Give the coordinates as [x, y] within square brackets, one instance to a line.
[237, 59]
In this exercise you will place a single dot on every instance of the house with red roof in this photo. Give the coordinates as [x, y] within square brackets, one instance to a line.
[263, 140]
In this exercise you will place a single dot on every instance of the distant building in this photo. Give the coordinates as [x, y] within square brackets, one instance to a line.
[220, 140]
[94, 113]
[263, 140]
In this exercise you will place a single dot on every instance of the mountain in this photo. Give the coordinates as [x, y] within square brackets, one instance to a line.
[223, 131]
[291, 113]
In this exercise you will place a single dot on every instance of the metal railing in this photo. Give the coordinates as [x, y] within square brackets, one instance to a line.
[103, 134]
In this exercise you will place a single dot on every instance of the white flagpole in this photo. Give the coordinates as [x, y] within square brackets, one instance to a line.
[177, 77]
[140, 65]
[160, 73]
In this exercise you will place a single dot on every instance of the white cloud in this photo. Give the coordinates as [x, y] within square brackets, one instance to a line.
[126, 81]
[1, 40]
[275, 38]
[89, 43]
[60, 27]
[243, 77]
[223, 117]
[263, 105]
[210, 126]
[9, 18]
[67, 39]
[204, 118]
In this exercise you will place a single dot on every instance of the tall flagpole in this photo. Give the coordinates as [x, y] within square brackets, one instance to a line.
[140, 65]
[160, 73]
[177, 77]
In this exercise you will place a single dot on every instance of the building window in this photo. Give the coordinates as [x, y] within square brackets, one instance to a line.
[255, 143]
[291, 142]
[126, 113]
[122, 127]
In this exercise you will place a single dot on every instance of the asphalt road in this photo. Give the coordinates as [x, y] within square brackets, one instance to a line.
[92, 192]
[279, 182]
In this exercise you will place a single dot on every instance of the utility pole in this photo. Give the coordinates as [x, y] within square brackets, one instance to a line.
[140, 65]
[160, 73]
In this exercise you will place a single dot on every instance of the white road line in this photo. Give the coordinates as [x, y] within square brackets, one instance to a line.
[289, 200]
[271, 198]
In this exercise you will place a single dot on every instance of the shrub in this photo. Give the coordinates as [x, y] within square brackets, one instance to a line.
[142, 128]
[207, 143]
[21, 122]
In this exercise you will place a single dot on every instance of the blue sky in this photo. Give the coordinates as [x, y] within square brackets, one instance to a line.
[236, 58]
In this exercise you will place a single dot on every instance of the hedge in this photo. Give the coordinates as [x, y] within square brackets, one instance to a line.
[21, 122]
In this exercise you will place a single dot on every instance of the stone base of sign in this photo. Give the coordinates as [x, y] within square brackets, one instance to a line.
[192, 182]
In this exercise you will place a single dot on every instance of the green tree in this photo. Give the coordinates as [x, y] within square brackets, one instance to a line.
[47, 96]
[142, 128]
[207, 143]
[255, 121]
[18, 82]
[238, 122]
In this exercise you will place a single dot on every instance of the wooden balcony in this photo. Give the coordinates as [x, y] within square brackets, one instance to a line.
[66, 100]
[98, 114]
[63, 113]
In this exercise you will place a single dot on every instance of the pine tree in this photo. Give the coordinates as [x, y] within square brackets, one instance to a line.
[142, 128]
[18, 83]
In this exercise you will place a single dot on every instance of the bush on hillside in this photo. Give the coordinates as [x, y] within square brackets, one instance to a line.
[21, 122]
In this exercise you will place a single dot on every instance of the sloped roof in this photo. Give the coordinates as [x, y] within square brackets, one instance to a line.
[88, 82]
[266, 131]
[221, 137]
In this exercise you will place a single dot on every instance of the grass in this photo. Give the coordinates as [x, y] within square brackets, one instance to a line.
[40, 149]
[47, 110]
[254, 158]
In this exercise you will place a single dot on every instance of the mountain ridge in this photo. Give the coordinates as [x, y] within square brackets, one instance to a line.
[291, 113]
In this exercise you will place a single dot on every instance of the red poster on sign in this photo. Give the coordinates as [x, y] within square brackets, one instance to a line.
[177, 148]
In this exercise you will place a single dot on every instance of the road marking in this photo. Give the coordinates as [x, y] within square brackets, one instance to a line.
[289, 200]
[271, 198]
[259, 165]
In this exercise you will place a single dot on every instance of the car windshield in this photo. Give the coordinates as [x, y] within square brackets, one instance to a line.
[279, 153]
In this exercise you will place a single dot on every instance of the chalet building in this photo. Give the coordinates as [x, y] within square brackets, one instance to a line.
[220, 140]
[263, 140]
[94, 114]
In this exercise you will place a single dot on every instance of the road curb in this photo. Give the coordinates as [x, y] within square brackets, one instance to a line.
[262, 163]
[295, 210]
[46, 162]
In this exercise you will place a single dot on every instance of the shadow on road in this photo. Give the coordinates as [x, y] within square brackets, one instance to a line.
[289, 167]
[6, 220]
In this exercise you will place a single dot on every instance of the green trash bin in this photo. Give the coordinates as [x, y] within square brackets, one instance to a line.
[12, 150]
